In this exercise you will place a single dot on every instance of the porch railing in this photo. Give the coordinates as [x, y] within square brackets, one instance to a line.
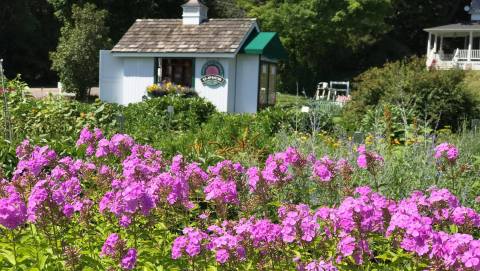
[462, 55]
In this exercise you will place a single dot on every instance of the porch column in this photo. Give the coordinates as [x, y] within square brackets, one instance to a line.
[429, 44]
[470, 44]
[441, 43]
[435, 44]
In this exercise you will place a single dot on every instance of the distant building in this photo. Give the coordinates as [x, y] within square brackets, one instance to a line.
[456, 45]
[227, 61]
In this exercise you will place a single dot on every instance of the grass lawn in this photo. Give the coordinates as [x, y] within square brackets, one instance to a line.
[284, 99]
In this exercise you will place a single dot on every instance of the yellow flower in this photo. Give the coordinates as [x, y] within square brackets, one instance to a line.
[369, 140]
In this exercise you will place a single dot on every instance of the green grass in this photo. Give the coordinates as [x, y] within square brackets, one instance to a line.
[284, 99]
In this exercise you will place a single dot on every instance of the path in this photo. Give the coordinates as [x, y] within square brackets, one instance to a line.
[43, 92]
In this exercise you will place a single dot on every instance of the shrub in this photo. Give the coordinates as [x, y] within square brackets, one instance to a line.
[148, 120]
[439, 97]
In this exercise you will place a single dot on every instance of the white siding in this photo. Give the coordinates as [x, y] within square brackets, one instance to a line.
[247, 83]
[137, 75]
[219, 95]
[110, 80]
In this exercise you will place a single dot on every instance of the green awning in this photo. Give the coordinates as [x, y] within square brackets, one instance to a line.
[266, 44]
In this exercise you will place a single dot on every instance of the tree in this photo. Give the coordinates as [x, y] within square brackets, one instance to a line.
[321, 36]
[410, 18]
[28, 31]
[77, 55]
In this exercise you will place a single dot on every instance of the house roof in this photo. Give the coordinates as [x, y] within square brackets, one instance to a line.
[460, 27]
[172, 36]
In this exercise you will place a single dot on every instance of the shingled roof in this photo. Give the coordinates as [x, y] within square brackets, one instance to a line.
[172, 36]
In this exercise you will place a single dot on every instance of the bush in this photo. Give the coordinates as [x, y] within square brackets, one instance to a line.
[146, 121]
[439, 97]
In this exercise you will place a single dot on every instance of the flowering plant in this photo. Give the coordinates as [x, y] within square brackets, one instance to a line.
[123, 205]
[164, 88]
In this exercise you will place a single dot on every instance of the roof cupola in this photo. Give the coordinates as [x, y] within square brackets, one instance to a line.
[194, 12]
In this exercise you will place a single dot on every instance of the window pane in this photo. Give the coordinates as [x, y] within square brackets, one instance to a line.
[263, 84]
[272, 85]
[177, 71]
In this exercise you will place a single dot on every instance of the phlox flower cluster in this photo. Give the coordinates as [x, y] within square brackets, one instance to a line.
[229, 240]
[89, 139]
[276, 170]
[48, 195]
[316, 265]
[280, 168]
[145, 184]
[32, 160]
[417, 219]
[126, 200]
[116, 249]
[324, 169]
[368, 159]
[297, 223]
[60, 190]
[119, 145]
[225, 243]
[222, 185]
[447, 151]
[190, 243]
[414, 222]
[13, 211]
[133, 180]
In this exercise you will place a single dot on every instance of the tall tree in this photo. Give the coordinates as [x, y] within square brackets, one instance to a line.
[410, 17]
[321, 36]
[28, 31]
[76, 57]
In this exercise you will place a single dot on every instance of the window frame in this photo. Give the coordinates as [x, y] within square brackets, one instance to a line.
[158, 64]
[269, 64]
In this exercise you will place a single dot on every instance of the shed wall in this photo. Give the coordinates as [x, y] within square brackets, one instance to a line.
[247, 83]
[111, 78]
[219, 96]
[137, 76]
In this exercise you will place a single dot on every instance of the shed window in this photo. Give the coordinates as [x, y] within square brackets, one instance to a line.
[175, 70]
[268, 84]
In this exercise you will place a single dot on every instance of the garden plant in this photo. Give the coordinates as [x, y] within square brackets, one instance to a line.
[122, 205]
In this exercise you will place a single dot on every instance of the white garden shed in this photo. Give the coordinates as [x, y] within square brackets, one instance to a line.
[227, 61]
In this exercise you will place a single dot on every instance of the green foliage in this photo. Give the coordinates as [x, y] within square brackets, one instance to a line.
[28, 31]
[76, 57]
[151, 122]
[438, 98]
[320, 35]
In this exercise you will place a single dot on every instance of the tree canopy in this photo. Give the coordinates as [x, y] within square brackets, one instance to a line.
[321, 35]
[76, 57]
[326, 40]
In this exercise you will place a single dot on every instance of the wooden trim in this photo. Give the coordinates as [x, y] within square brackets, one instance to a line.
[175, 55]
[258, 83]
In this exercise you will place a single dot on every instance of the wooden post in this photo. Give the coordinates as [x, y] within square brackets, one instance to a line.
[441, 43]
[470, 44]
[435, 44]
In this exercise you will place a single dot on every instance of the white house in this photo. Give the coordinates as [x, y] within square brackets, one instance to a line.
[227, 61]
[456, 45]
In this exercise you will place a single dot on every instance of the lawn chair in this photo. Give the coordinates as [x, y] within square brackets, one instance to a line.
[322, 87]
